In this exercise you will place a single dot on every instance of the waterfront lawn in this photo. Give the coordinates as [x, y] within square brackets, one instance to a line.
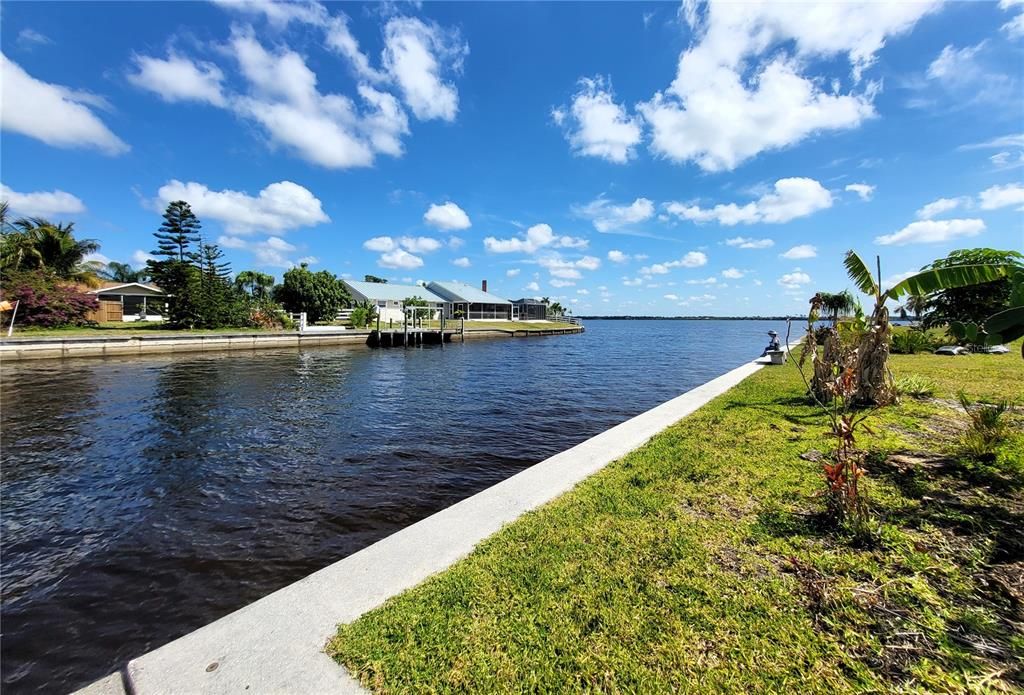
[500, 325]
[700, 563]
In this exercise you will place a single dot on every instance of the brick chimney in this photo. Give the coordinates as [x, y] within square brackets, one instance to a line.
[483, 285]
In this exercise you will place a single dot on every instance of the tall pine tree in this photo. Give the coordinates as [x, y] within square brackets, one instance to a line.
[174, 269]
[219, 303]
[178, 232]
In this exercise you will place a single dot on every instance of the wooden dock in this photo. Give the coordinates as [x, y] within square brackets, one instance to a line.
[410, 337]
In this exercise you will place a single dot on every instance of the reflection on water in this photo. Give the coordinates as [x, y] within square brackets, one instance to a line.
[145, 497]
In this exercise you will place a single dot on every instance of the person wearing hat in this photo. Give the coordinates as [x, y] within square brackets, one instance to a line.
[773, 343]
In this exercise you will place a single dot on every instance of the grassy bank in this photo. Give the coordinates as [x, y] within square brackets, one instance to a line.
[700, 563]
[499, 325]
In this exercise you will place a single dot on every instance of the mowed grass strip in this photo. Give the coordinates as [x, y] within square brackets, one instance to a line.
[699, 563]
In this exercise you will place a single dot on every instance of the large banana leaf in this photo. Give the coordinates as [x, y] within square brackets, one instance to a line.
[929, 281]
[1007, 324]
[860, 274]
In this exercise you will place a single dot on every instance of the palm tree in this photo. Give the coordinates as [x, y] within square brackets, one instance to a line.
[122, 272]
[874, 381]
[837, 303]
[915, 305]
[39, 243]
[254, 283]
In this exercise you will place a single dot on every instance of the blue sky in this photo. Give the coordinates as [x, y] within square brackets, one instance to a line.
[624, 158]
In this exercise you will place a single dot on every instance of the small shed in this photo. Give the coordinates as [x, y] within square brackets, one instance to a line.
[471, 303]
[129, 301]
[389, 298]
[529, 309]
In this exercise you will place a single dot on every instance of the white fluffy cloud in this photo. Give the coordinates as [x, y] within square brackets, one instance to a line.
[52, 113]
[270, 252]
[41, 203]
[399, 258]
[932, 231]
[1001, 196]
[532, 287]
[333, 130]
[616, 256]
[608, 217]
[693, 259]
[419, 244]
[941, 206]
[1015, 27]
[733, 273]
[379, 244]
[461, 262]
[140, 257]
[743, 242]
[447, 216]
[535, 238]
[178, 78]
[416, 55]
[865, 191]
[325, 129]
[794, 280]
[800, 251]
[569, 270]
[739, 92]
[597, 126]
[279, 207]
[791, 198]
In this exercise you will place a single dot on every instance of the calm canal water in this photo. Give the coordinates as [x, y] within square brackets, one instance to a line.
[143, 498]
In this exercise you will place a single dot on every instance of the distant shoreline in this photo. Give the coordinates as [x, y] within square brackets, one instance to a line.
[692, 318]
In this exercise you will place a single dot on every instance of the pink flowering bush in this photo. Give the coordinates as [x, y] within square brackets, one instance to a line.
[45, 302]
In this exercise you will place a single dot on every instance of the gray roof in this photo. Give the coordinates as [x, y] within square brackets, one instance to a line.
[528, 300]
[461, 292]
[390, 292]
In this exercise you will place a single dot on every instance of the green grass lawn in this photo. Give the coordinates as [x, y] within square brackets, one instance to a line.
[499, 325]
[701, 563]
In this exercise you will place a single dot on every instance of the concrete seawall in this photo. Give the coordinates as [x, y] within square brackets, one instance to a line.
[12, 349]
[276, 644]
[51, 348]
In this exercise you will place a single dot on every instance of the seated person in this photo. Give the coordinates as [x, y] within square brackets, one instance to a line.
[773, 343]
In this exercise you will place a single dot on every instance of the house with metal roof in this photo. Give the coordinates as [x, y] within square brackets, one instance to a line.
[468, 302]
[389, 298]
[529, 309]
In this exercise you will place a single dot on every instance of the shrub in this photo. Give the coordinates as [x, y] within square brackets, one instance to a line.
[363, 314]
[988, 426]
[46, 302]
[263, 313]
[915, 386]
[910, 341]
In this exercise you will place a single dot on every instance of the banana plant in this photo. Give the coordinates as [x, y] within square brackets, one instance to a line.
[873, 376]
[922, 283]
[1008, 324]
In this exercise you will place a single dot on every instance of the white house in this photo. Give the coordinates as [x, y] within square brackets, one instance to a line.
[129, 301]
[389, 298]
[468, 302]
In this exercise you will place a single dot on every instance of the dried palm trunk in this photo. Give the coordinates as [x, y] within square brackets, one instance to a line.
[827, 365]
[874, 380]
